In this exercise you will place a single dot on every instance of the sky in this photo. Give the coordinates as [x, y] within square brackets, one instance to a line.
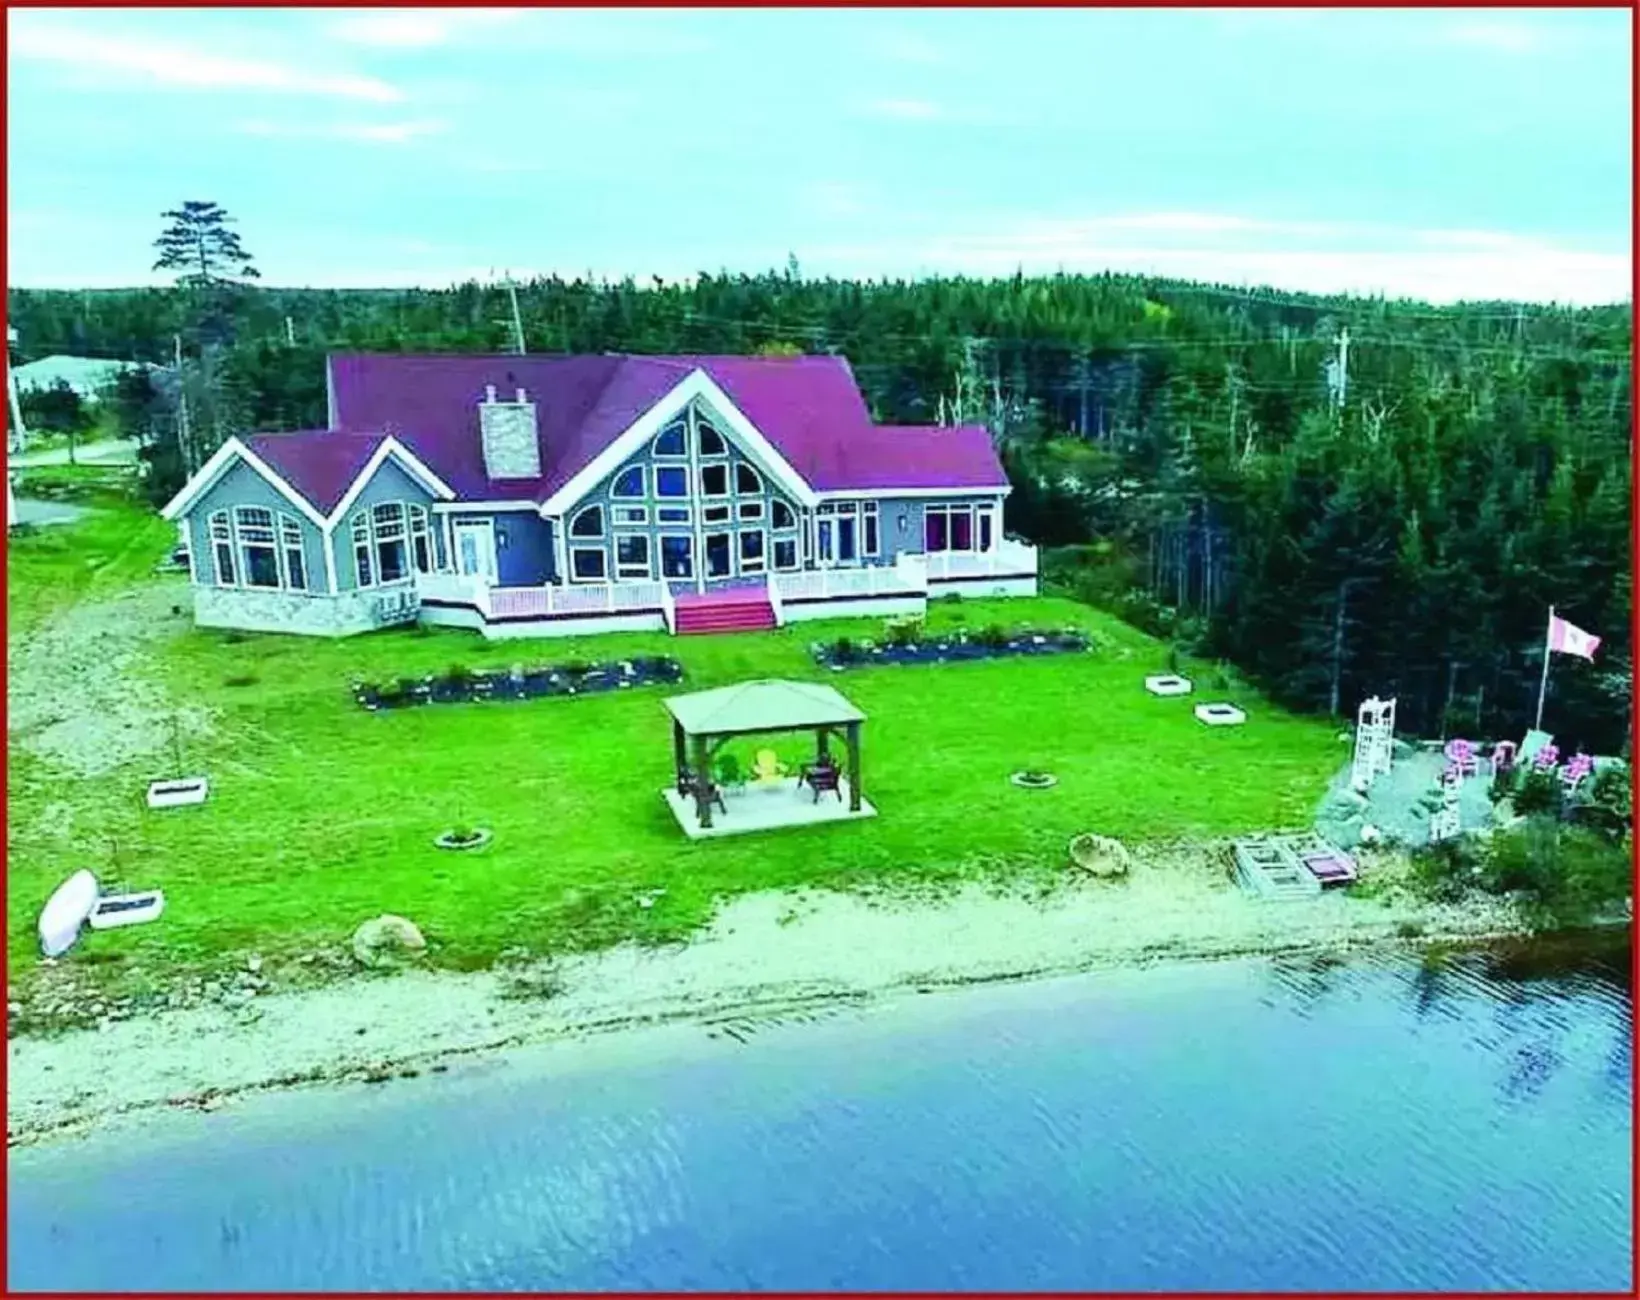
[1436, 154]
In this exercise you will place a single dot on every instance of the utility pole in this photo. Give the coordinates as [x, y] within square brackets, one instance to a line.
[184, 436]
[1343, 364]
[18, 431]
[290, 332]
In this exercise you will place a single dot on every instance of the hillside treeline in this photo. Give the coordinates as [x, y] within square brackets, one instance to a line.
[1342, 497]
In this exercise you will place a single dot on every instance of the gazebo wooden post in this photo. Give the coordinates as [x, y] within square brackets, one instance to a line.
[703, 785]
[680, 752]
[853, 767]
[822, 739]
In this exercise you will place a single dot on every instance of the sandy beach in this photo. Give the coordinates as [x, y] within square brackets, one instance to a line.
[763, 956]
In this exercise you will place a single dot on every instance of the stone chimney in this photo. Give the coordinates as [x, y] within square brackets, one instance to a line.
[512, 447]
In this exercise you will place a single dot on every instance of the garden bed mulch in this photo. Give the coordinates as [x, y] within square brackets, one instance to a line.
[518, 683]
[842, 654]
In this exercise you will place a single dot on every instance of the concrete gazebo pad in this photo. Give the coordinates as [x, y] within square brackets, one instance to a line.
[765, 810]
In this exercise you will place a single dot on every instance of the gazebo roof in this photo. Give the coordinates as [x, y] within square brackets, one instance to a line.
[761, 706]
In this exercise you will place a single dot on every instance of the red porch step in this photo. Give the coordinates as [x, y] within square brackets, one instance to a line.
[728, 611]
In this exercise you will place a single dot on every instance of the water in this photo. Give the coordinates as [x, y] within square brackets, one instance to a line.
[1248, 1125]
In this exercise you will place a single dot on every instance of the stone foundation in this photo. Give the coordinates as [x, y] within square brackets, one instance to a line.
[297, 613]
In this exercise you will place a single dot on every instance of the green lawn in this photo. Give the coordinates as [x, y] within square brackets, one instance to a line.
[322, 814]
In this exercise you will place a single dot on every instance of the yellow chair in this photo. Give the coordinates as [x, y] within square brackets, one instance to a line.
[767, 768]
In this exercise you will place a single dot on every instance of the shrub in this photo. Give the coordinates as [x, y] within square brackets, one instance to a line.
[1539, 792]
[843, 651]
[458, 675]
[1173, 660]
[1447, 871]
[995, 636]
[903, 632]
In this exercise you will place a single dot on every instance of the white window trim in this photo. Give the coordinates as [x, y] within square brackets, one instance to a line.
[601, 551]
[750, 509]
[751, 469]
[726, 518]
[869, 510]
[282, 524]
[696, 385]
[728, 481]
[645, 570]
[660, 557]
[640, 517]
[655, 442]
[796, 518]
[728, 534]
[417, 522]
[603, 527]
[485, 526]
[686, 495]
[688, 514]
[795, 543]
[642, 494]
[761, 563]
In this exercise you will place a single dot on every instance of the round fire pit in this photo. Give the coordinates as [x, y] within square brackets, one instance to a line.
[464, 839]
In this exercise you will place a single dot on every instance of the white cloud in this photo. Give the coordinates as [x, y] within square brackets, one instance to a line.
[905, 110]
[410, 29]
[1433, 265]
[360, 132]
[182, 67]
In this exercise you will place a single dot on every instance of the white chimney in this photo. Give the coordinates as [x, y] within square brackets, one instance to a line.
[512, 445]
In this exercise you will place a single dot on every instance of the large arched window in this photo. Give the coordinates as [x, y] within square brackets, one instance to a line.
[253, 546]
[748, 482]
[390, 542]
[587, 523]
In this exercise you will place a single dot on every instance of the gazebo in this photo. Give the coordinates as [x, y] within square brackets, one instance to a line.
[702, 723]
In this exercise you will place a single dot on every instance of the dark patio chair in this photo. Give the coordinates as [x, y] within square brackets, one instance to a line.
[823, 778]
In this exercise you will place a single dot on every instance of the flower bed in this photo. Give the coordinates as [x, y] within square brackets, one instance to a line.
[907, 645]
[460, 686]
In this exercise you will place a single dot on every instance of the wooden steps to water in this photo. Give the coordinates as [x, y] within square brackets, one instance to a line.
[1291, 867]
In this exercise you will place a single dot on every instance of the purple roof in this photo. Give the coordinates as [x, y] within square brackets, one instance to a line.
[809, 408]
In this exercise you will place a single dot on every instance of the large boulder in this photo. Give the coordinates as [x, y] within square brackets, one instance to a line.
[387, 941]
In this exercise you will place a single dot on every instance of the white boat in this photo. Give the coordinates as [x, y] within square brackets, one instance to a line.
[115, 910]
[65, 913]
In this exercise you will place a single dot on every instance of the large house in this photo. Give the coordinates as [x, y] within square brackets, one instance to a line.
[527, 495]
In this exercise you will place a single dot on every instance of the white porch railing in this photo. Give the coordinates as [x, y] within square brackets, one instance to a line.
[547, 602]
[774, 599]
[905, 577]
[1008, 559]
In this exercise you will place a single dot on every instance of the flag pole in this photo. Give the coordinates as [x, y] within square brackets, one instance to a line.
[1543, 683]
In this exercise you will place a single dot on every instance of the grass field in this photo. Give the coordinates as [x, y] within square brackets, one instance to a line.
[322, 815]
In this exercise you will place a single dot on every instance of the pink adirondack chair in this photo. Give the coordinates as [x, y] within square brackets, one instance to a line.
[1461, 755]
[1578, 767]
[1548, 757]
[1503, 756]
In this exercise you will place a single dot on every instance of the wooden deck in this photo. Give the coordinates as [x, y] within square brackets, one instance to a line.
[1291, 867]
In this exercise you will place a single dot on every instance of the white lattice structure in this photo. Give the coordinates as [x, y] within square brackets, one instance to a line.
[1374, 741]
[1444, 821]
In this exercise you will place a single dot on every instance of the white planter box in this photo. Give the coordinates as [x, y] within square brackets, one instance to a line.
[178, 793]
[115, 910]
[1167, 684]
[1220, 715]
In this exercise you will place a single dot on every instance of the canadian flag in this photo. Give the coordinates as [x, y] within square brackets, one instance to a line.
[1570, 640]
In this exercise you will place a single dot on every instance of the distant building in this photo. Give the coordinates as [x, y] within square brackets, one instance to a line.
[87, 376]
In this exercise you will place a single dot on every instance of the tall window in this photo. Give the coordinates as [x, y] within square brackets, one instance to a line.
[222, 549]
[258, 546]
[290, 537]
[252, 546]
[391, 541]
